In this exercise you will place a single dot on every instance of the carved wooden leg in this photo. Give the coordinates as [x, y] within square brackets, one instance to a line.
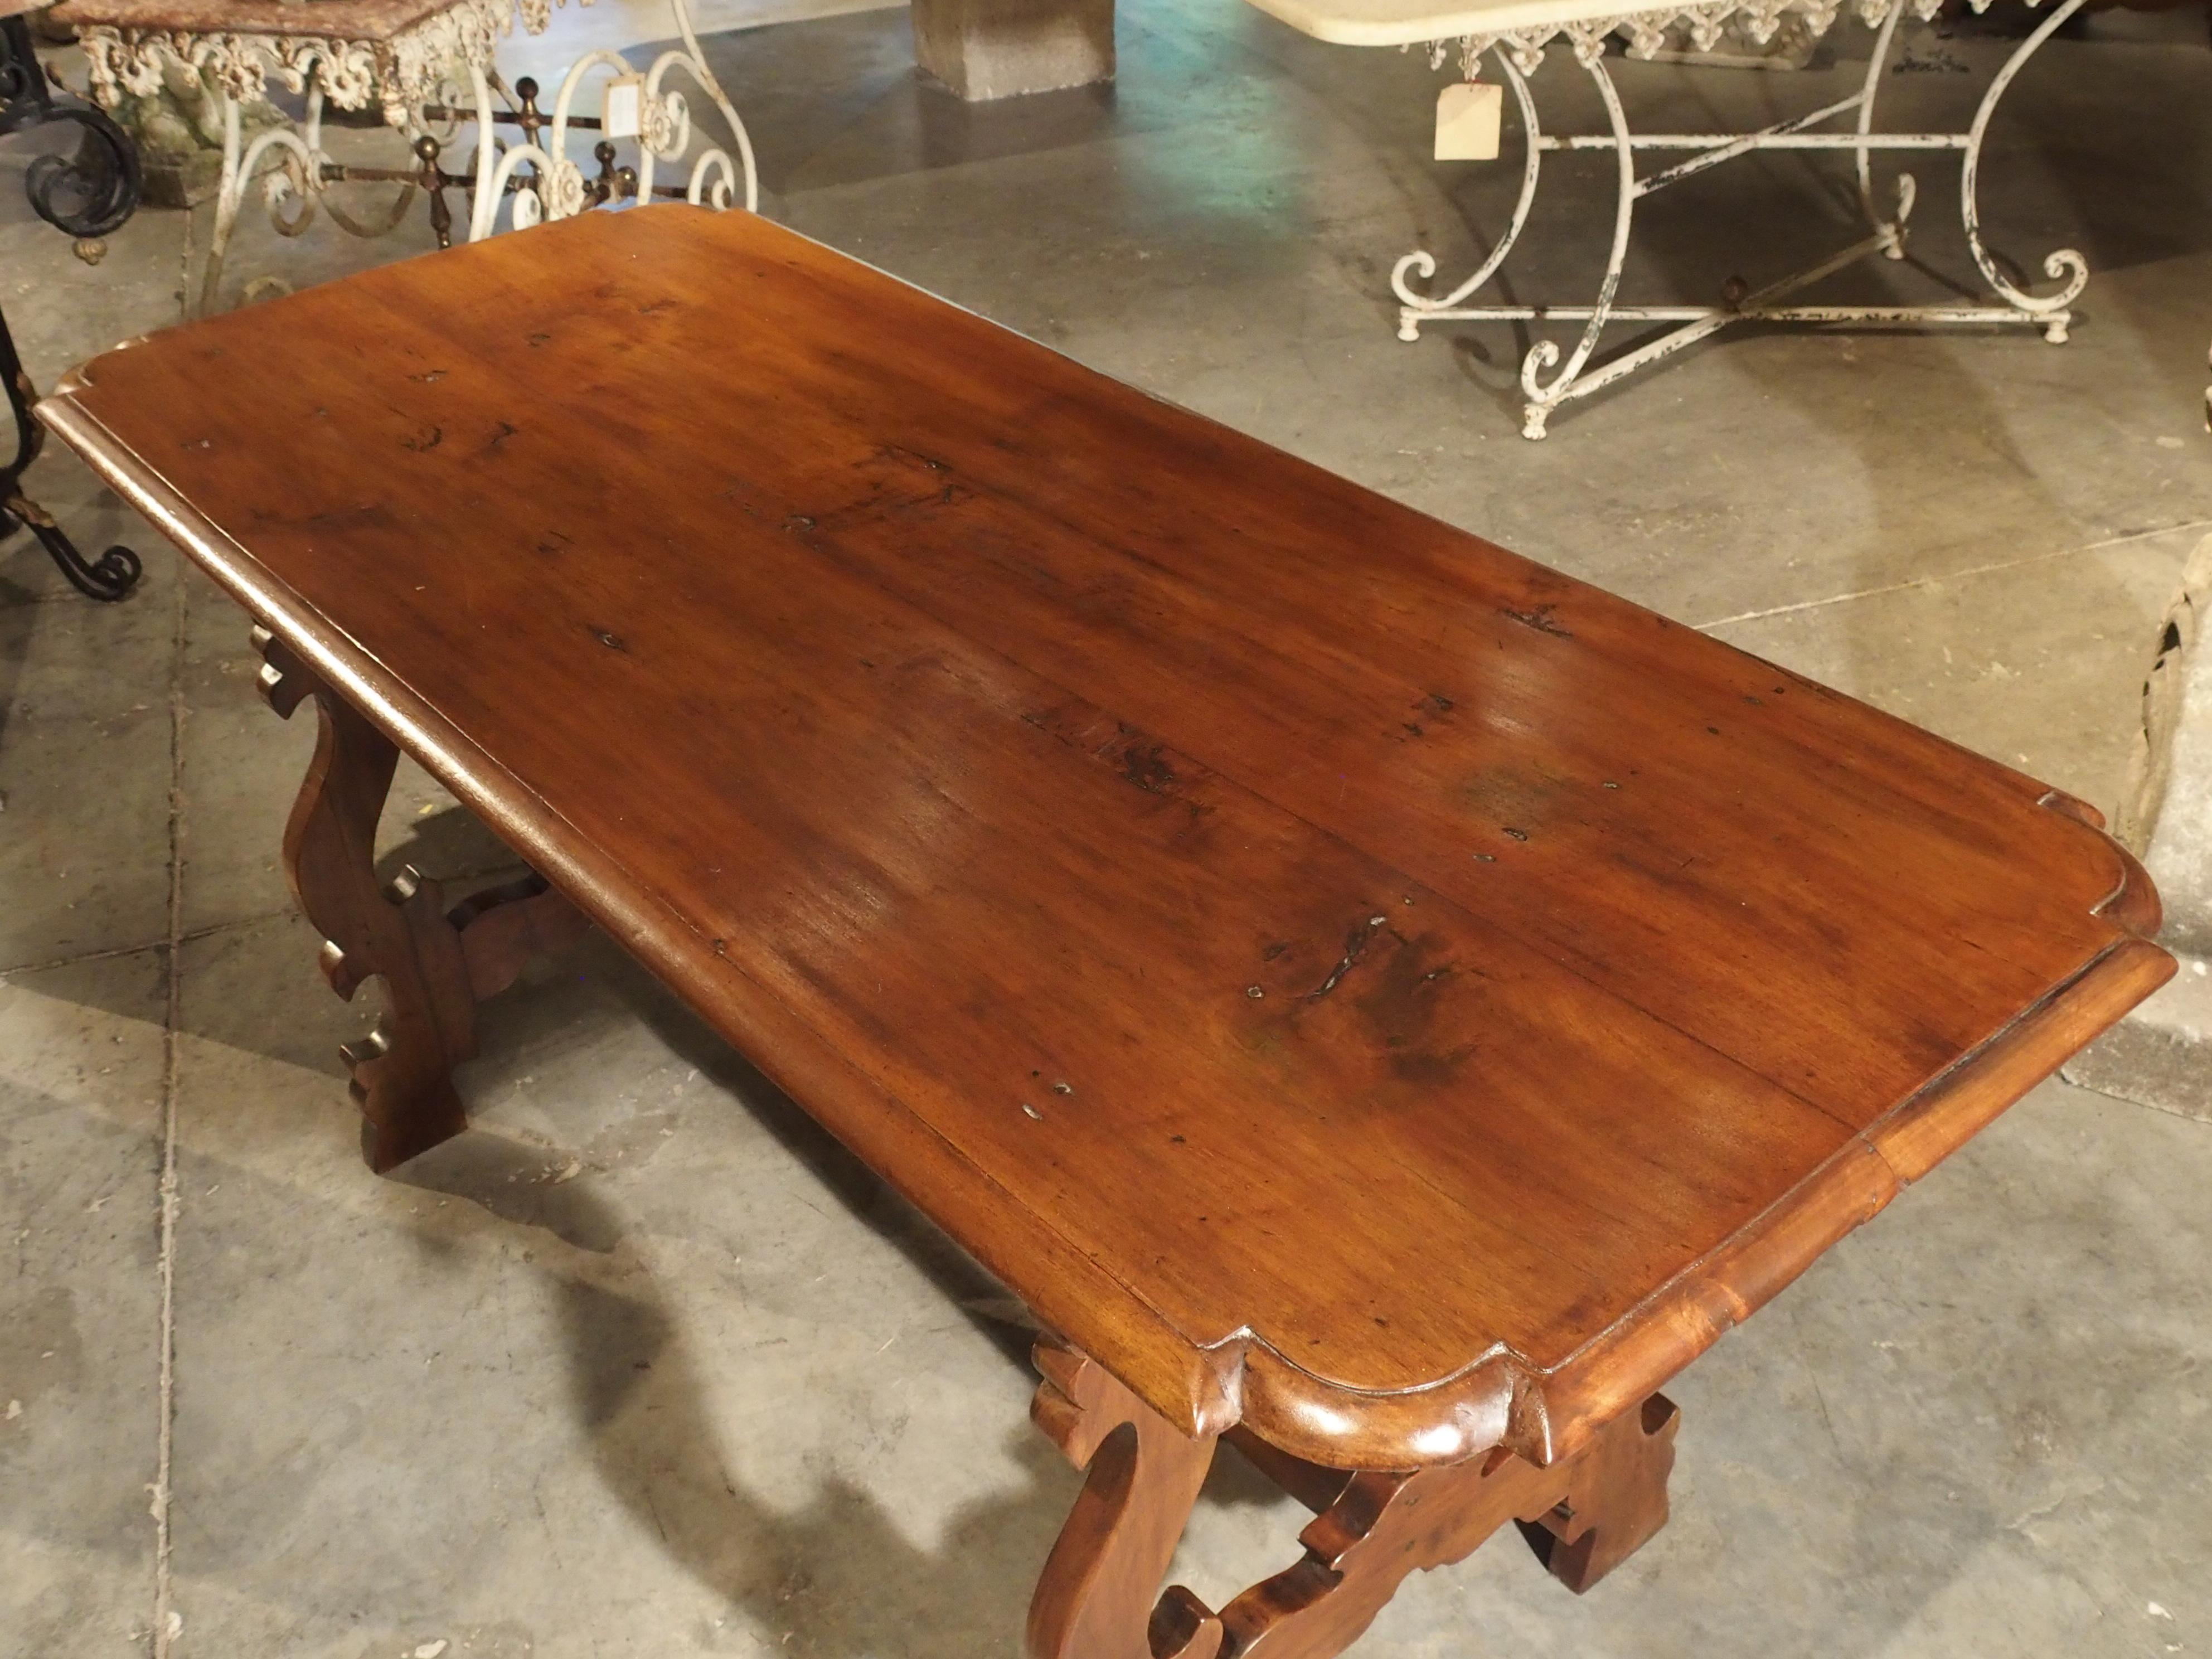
[1616, 1497]
[1592, 1512]
[434, 968]
[1099, 1597]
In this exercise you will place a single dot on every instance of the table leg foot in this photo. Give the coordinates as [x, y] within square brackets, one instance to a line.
[1616, 1497]
[1099, 1596]
[106, 578]
[435, 966]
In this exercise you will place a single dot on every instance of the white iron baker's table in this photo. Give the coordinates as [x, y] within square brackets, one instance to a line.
[1514, 34]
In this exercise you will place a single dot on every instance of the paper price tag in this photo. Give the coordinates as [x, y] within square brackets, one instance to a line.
[622, 115]
[1467, 114]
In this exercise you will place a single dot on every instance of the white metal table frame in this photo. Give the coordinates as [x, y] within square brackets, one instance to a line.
[1519, 50]
[407, 75]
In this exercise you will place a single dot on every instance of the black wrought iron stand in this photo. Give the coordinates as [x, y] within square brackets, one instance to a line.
[86, 195]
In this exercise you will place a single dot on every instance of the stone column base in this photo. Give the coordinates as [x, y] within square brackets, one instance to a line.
[2161, 1054]
[987, 49]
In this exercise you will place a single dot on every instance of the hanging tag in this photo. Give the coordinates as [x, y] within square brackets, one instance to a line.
[1467, 114]
[622, 115]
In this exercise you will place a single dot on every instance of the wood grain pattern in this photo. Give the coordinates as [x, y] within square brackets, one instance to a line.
[1347, 979]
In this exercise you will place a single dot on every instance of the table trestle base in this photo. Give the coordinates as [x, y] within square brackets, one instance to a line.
[1100, 1597]
[436, 963]
[2051, 313]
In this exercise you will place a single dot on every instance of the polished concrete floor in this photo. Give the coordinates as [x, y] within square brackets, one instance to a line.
[644, 1365]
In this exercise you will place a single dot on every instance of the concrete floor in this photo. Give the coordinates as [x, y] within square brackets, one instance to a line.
[645, 1365]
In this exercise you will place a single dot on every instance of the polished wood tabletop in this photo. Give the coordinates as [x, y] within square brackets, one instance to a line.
[1345, 977]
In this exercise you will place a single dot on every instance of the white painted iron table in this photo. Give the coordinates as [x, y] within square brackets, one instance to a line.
[413, 59]
[1514, 34]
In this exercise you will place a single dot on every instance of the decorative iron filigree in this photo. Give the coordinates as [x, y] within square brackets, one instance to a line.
[406, 76]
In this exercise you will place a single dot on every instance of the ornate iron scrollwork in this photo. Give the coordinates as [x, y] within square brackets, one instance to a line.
[113, 572]
[87, 194]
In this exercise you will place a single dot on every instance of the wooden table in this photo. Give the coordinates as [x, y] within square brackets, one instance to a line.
[1372, 996]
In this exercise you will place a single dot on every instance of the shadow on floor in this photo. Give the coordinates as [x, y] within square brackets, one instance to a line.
[836, 1576]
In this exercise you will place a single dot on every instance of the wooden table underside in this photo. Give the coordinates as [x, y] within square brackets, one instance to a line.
[1374, 999]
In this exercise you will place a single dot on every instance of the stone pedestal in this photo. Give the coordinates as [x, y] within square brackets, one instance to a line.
[2161, 1054]
[179, 131]
[985, 49]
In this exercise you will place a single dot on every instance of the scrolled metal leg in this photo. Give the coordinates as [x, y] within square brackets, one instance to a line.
[110, 575]
[106, 578]
[1892, 229]
[713, 88]
[230, 187]
[87, 194]
[483, 204]
[307, 172]
[298, 182]
[91, 193]
[1414, 307]
[2066, 264]
[1541, 399]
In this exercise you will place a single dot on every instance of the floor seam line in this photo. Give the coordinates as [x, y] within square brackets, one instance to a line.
[2130, 1100]
[2121, 540]
[114, 951]
[168, 1623]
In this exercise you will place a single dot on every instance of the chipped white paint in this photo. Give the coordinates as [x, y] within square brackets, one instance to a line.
[420, 68]
[1514, 34]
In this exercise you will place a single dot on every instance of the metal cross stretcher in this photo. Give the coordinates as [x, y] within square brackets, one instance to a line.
[1514, 34]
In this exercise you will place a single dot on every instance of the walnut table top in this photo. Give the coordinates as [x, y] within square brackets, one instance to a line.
[1351, 981]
